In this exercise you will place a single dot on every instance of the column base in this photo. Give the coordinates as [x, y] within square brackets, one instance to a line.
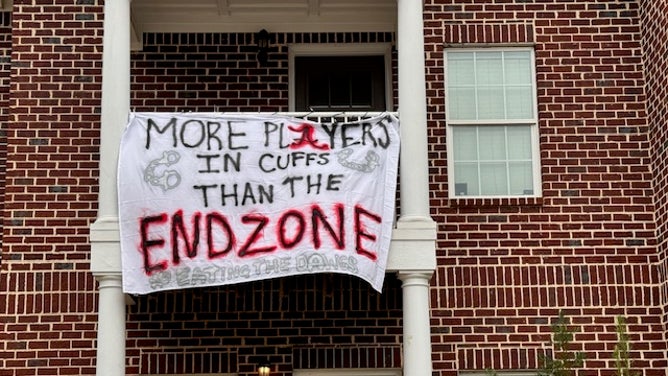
[110, 326]
[417, 333]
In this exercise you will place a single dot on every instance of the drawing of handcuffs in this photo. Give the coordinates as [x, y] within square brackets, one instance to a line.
[168, 179]
[371, 160]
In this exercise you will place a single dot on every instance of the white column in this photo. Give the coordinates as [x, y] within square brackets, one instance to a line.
[115, 99]
[104, 235]
[417, 337]
[414, 173]
[110, 327]
[414, 238]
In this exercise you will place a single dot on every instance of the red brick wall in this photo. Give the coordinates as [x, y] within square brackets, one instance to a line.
[5, 66]
[5, 59]
[655, 49]
[47, 306]
[506, 267]
[206, 72]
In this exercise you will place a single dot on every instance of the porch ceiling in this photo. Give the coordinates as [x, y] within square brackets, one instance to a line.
[272, 15]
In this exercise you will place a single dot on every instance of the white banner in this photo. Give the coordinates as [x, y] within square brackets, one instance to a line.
[215, 199]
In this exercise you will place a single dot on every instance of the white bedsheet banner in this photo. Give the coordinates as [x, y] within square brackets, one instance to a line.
[215, 199]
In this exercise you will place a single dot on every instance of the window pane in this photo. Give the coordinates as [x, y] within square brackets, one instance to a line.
[460, 68]
[465, 143]
[493, 179]
[462, 103]
[490, 103]
[521, 178]
[519, 102]
[318, 90]
[489, 68]
[466, 179]
[517, 68]
[340, 89]
[493, 159]
[492, 142]
[519, 137]
[362, 89]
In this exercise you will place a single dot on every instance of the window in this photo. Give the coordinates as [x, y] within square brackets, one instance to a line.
[340, 83]
[345, 77]
[492, 126]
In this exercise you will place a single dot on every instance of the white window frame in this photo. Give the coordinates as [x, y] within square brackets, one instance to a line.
[340, 49]
[348, 372]
[533, 123]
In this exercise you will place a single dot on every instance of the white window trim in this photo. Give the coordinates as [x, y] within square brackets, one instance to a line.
[535, 137]
[340, 49]
[347, 372]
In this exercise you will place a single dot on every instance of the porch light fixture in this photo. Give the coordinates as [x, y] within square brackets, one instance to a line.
[262, 41]
[264, 369]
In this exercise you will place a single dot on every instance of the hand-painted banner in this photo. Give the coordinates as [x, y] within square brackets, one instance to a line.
[215, 199]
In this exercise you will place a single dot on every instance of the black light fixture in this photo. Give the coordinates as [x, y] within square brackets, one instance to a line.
[262, 41]
[264, 369]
